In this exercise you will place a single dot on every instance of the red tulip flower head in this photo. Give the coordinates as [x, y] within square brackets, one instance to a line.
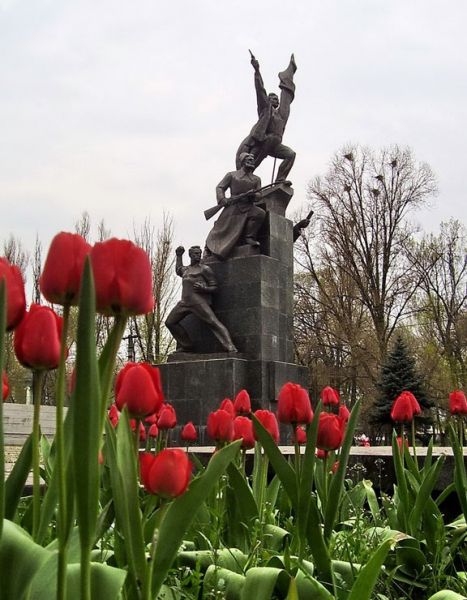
[321, 454]
[220, 426]
[138, 387]
[457, 403]
[123, 278]
[293, 405]
[167, 417]
[16, 299]
[189, 433]
[269, 422]
[228, 406]
[300, 435]
[330, 431]
[402, 441]
[167, 474]
[153, 431]
[242, 403]
[344, 413]
[61, 277]
[405, 408]
[243, 430]
[5, 386]
[142, 430]
[37, 338]
[114, 415]
[329, 396]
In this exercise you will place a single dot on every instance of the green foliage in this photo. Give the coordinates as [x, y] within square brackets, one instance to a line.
[399, 373]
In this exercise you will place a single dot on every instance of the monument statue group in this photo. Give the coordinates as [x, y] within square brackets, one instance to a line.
[233, 324]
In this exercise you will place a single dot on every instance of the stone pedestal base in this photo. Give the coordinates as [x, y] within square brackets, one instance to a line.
[197, 386]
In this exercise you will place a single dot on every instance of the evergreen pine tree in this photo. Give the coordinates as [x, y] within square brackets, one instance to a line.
[399, 373]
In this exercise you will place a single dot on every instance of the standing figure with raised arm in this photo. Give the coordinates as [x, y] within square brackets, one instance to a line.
[198, 285]
[265, 138]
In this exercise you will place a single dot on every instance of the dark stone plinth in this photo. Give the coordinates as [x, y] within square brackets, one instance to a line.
[254, 302]
[197, 387]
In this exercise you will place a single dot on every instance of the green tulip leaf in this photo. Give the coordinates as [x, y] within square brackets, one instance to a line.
[447, 595]
[86, 426]
[20, 560]
[16, 481]
[225, 581]
[282, 468]
[337, 482]
[262, 582]
[367, 577]
[181, 513]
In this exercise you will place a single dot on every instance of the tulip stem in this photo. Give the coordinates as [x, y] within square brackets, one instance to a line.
[60, 444]
[413, 442]
[115, 338]
[85, 573]
[2, 439]
[325, 478]
[38, 379]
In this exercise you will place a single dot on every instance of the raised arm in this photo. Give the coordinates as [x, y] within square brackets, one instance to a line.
[179, 268]
[261, 95]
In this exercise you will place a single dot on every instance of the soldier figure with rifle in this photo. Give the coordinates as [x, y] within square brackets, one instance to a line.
[240, 217]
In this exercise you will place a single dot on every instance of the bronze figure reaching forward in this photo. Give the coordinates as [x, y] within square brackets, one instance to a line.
[265, 138]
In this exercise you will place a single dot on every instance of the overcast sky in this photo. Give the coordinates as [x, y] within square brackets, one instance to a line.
[129, 109]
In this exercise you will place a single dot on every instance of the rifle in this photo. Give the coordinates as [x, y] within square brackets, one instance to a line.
[210, 212]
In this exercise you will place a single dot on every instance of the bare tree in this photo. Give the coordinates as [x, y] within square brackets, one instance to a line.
[361, 208]
[153, 342]
[15, 253]
[36, 271]
[83, 225]
[441, 262]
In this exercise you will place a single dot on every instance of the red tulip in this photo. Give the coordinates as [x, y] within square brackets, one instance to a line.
[321, 454]
[16, 299]
[330, 431]
[293, 405]
[123, 278]
[114, 415]
[142, 430]
[228, 405]
[300, 435]
[61, 277]
[457, 403]
[329, 395]
[189, 433]
[401, 441]
[151, 419]
[37, 338]
[242, 403]
[167, 474]
[138, 387]
[334, 467]
[243, 430]
[405, 407]
[269, 422]
[153, 431]
[220, 426]
[344, 413]
[5, 386]
[167, 417]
